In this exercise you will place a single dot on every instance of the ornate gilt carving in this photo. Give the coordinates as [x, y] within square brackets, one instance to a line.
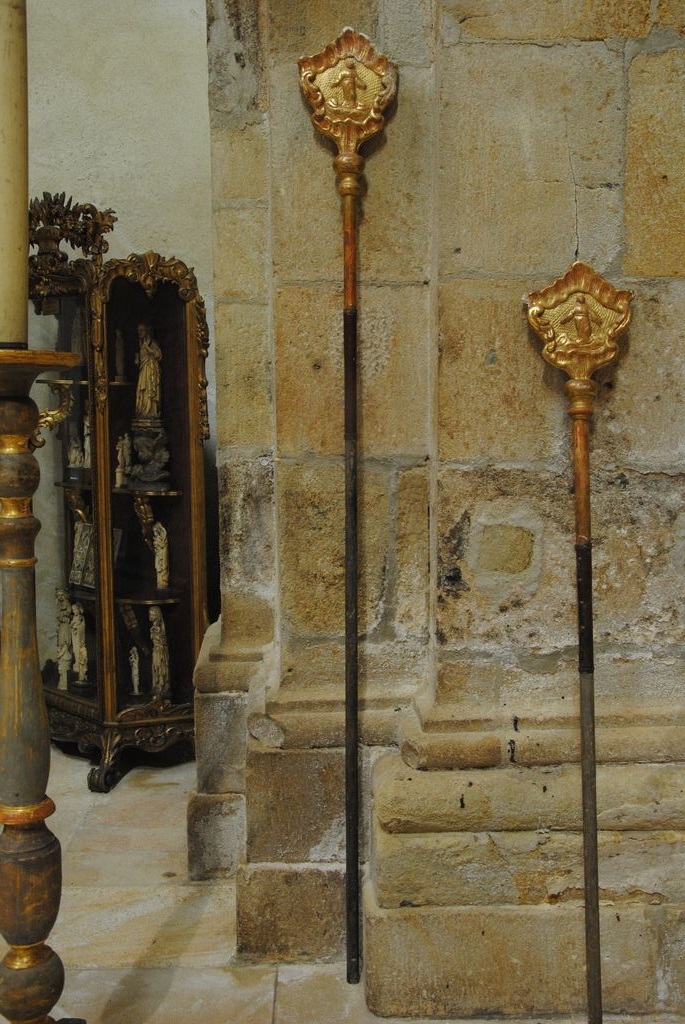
[579, 318]
[51, 418]
[348, 85]
[53, 219]
[143, 511]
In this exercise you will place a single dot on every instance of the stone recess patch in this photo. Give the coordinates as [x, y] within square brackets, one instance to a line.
[639, 591]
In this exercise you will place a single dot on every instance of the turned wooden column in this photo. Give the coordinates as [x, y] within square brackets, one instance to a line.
[31, 974]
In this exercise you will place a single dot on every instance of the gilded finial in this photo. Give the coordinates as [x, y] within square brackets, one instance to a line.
[579, 318]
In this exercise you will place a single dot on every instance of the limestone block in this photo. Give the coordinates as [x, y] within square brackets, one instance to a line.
[311, 511]
[307, 218]
[290, 913]
[216, 834]
[239, 163]
[300, 28]
[522, 128]
[655, 166]
[390, 673]
[637, 689]
[467, 869]
[405, 32]
[672, 14]
[601, 228]
[545, 21]
[629, 797]
[236, 64]
[462, 962]
[246, 524]
[644, 395]
[395, 244]
[495, 402]
[393, 371]
[220, 741]
[412, 553]
[295, 805]
[241, 251]
[244, 387]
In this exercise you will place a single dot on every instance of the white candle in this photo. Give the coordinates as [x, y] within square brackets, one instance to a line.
[14, 174]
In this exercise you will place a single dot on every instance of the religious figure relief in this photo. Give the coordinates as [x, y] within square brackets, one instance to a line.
[348, 81]
[152, 454]
[134, 663]
[579, 318]
[160, 653]
[149, 385]
[64, 651]
[78, 642]
[160, 546]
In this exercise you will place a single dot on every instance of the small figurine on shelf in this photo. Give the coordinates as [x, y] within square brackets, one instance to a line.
[149, 386]
[128, 454]
[64, 652]
[78, 642]
[160, 545]
[86, 440]
[78, 334]
[74, 450]
[134, 662]
[160, 653]
[120, 468]
[119, 357]
[148, 473]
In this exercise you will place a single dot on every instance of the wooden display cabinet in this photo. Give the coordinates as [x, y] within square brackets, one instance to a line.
[131, 611]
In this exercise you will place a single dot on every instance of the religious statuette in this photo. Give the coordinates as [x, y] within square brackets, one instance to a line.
[149, 437]
[160, 544]
[134, 663]
[78, 642]
[349, 85]
[86, 440]
[64, 651]
[160, 653]
[580, 318]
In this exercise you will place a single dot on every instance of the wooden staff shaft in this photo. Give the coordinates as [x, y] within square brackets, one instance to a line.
[581, 413]
[349, 206]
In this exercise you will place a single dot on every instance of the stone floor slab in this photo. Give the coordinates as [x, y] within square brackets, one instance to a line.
[160, 996]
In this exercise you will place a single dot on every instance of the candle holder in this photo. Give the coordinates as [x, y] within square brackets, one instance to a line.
[31, 974]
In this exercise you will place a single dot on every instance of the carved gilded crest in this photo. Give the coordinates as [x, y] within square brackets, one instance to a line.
[348, 85]
[579, 318]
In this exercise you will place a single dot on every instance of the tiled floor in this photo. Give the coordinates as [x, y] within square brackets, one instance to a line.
[142, 945]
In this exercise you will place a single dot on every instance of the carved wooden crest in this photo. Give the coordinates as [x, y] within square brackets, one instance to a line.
[579, 318]
[348, 85]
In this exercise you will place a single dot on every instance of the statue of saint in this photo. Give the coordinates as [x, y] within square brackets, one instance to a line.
[149, 386]
[64, 652]
[78, 641]
[160, 653]
[160, 544]
[134, 662]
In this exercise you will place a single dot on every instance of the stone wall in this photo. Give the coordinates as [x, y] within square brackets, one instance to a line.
[525, 136]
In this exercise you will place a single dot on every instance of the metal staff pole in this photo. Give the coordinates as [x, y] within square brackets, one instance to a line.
[579, 318]
[349, 85]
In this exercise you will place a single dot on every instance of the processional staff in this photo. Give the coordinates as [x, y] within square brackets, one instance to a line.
[349, 85]
[580, 318]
